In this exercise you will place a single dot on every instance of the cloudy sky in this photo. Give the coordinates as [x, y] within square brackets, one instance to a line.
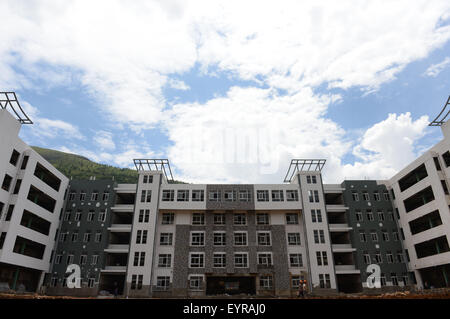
[231, 91]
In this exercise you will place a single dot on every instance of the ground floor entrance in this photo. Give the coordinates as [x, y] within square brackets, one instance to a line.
[110, 281]
[349, 283]
[19, 278]
[230, 285]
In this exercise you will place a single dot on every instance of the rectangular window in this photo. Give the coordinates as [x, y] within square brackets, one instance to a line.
[198, 195]
[389, 257]
[228, 195]
[219, 260]
[376, 196]
[241, 260]
[17, 187]
[240, 238]
[239, 219]
[90, 216]
[183, 195]
[244, 195]
[83, 259]
[262, 219]
[219, 238]
[102, 215]
[94, 196]
[380, 216]
[369, 215]
[355, 196]
[24, 162]
[195, 282]
[263, 238]
[266, 282]
[166, 239]
[294, 239]
[262, 195]
[198, 219]
[14, 157]
[87, 237]
[265, 259]
[82, 196]
[72, 196]
[374, 236]
[292, 219]
[197, 239]
[168, 218]
[295, 260]
[365, 196]
[105, 196]
[74, 237]
[292, 195]
[359, 216]
[277, 196]
[197, 260]
[385, 236]
[219, 219]
[164, 260]
[163, 282]
[214, 196]
[366, 257]
[2, 239]
[386, 195]
[144, 216]
[362, 236]
[58, 259]
[168, 195]
[94, 260]
[6, 182]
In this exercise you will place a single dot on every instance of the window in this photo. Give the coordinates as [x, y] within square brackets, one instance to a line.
[197, 239]
[292, 195]
[167, 195]
[295, 260]
[141, 237]
[311, 179]
[378, 258]
[365, 196]
[166, 239]
[385, 236]
[262, 196]
[265, 259]
[362, 236]
[102, 215]
[87, 237]
[240, 238]
[147, 179]
[369, 215]
[355, 196]
[241, 260]
[446, 158]
[316, 215]
[359, 216]
[322, 259]
[72, 196]
[139, 259]
[196, 260]
[244, 195]
[219, 238]
[394, 279]
[308, 179]
[94, 196]
[91, 282]
[296, 281]
[400, 258]
[58, 259]
[162, 282]
[146, 196]
[228, 195]
[198, 219]
[266, 282]
[75, 237]
[90, 216]
[395, 235]
[63, 236]
[25, 162]
[83, 259]
[164, 260]
[183, 195]
[198, 195]
[144, 216]
[292, 219]
[383, 280]
[94, 259]
[219, 219]
[219, 260]
[262, 219]
[390, 216]
[444, 187]
[294, 239]
[374, 236]
[277, 196]
[386, 195]
[6, 182]
[105, 196]
[366, 258]
[14, 157]
[17, 187]
[239, 219]
[2, 205]
[324, 280]
[82, 196]
[168, 218]
[380, 216]
[9, 212]
[389, 257]
[263, 238]
[319, 237]
[195, 282]
[67, 215]
[69, 259]
[214, 196]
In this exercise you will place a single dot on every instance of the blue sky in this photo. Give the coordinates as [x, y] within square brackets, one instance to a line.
[226, 95]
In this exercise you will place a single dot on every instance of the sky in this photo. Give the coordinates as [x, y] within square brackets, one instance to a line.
[231, 91]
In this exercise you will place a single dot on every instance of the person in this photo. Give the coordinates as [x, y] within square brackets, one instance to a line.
[304, 288]
[300, 289]
[116, 289]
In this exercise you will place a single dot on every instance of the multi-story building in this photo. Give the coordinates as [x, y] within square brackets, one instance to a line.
[31, 200]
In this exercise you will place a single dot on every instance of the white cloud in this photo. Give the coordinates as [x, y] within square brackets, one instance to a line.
[434, 69]
[178, 85]
[104, 140]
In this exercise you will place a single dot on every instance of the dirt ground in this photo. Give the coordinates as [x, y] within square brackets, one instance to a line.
[442, 294]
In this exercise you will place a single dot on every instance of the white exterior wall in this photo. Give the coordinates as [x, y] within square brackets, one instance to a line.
[9, 140]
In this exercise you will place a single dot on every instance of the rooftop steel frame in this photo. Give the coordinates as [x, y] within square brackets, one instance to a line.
[10, 99]
[441, 119]
[154, 165]
[303, 165]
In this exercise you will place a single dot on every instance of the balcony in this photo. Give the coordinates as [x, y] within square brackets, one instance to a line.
[346, 269]
[117, 248]
[129, 208]
[120, 228]
[114, 269]
[341, 248]
[340, 227]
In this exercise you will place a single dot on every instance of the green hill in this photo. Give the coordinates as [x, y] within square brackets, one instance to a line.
[79, 167]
